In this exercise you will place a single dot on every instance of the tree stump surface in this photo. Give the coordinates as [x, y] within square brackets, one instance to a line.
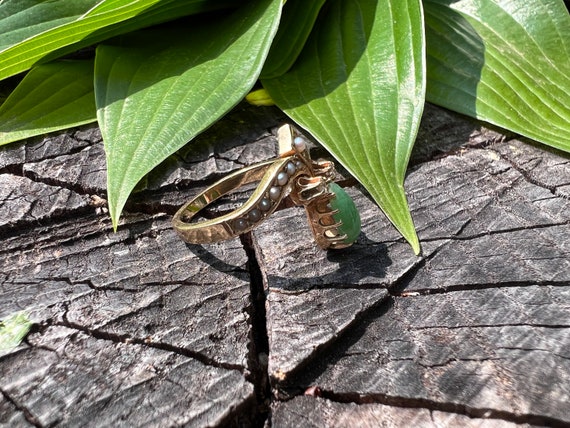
[137, 328]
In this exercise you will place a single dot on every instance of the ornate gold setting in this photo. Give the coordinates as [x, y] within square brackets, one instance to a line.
[294, 174]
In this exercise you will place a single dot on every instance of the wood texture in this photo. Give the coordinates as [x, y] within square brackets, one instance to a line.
[136, 328]
[318, 412]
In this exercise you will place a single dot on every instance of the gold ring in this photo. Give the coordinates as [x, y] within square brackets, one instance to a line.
[332, 215]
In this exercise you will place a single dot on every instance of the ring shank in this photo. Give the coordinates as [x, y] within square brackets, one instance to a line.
[220, 228]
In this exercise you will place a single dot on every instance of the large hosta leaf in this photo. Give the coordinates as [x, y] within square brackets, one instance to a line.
[502, 61]
[298, 19]
[21, 19]
[33, 31]
[51, 97]
[60, 32]
[156, 90]
[358, 88]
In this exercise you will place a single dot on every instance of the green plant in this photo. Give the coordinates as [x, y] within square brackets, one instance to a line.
[13, 329]
[353, 73]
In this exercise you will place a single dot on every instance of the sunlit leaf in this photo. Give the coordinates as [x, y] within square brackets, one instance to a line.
[63, 26]
[51, 97]
[156, 90]
[505, 62]
[21, 19]
[358, 88]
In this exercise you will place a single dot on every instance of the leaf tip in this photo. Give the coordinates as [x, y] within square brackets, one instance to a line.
[409, 233]
[416, 247]
[115, 211]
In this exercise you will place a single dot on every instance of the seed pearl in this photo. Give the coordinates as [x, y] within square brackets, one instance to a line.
[299, 144]
[274, 193]
[291, 168]
[264, 204]
[254, 215]
[240, 224]
[282, 178]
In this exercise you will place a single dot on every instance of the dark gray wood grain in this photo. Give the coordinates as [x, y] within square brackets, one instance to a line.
[316, 412]
[495, 268]
[501, 352]
[137, 328]
[136, 303]
[120, 383]
[132, 327]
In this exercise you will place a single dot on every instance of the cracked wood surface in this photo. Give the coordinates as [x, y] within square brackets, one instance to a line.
[137, 328]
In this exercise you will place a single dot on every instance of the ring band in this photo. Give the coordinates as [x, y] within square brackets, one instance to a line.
[294, 175]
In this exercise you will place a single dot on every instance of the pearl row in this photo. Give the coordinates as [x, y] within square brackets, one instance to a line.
[269, 199]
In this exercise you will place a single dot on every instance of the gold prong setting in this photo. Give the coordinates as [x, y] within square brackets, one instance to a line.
[295, 175]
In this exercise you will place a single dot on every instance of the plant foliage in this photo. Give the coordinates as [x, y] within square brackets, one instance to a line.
[13, 329]
[354, 73]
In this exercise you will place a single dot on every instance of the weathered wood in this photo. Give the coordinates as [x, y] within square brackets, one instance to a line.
[25, 201]
[500, 353]
[137, 328]
[71, 377]
[492, 340]
[152, 304]
[317, 412]
[10, 415]
[471, 234]
[133, 327]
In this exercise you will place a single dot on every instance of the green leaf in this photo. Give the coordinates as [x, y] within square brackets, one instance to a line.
[21, 19]
[259, 97]
[298, 19]
[61, 27]
[51, 97]
[23, 55]
[157, 90]
[504, 62]
[358, 88]
[13, 329]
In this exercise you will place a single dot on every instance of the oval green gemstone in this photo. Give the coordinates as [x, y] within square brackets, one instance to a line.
[347, 213]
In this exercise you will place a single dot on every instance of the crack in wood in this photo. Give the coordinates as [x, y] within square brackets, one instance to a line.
[453, 360]
[457, 237]
[60, 184]
[329, 285]
[126, 339]
[259, 340]
[528, 176]
[449, 407]
[90, 227]
[401, 292]
[496, 325]
[159, 284]
[513, 348]
[13, 169]
[20, 349]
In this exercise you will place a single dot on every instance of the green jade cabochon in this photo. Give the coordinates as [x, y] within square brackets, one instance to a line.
[347, 213]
